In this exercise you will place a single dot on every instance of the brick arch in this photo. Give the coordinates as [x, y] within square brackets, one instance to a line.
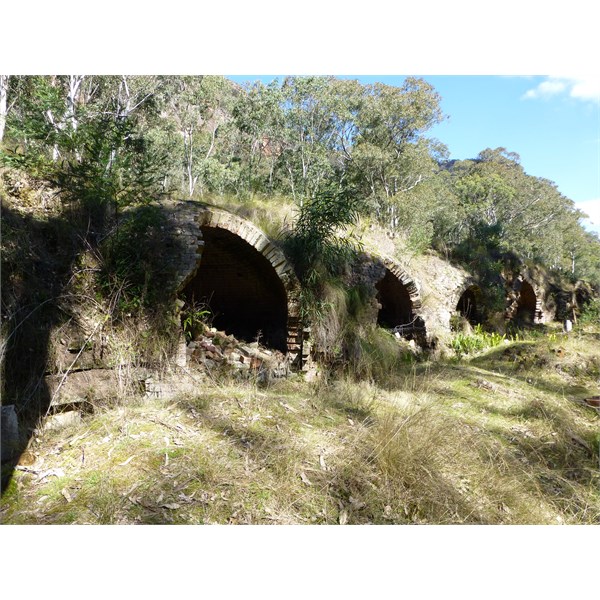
[405, 279]
[465, 284]
[526, 298]
[252, 235]
[469, 303]
[400, 298]
[256, 246]
[469, 284]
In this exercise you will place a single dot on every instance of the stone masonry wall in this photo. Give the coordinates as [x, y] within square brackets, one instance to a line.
[184, 247]
[434, 294]
[186, 218]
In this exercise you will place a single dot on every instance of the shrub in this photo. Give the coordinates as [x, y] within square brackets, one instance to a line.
[193, 319]
[132, 268]
[591, 313]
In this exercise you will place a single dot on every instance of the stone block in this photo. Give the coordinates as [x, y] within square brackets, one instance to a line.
[62, 420]
[255, 362]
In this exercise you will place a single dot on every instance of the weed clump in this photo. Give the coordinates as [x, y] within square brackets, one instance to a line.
[464, 343]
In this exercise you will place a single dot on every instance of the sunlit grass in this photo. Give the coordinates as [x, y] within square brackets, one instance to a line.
[488, 440]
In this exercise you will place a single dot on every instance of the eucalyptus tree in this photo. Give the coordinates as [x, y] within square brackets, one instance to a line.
[63, 116]
[345, 100]
[495, 191]
[38, 129]
[308, 135]
[199, 107]
[390, 156]
[84, 134]
[498, 204]
[259, 120]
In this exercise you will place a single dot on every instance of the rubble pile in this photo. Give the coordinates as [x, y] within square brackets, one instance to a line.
[214, 349]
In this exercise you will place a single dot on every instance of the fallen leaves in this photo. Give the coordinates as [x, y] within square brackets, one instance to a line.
[58, 472]
[176, 427]
[132, 489]
[28, 459]
[79, 437]
[304, 478]
[522, 430]
[356, 503]
[575, 438]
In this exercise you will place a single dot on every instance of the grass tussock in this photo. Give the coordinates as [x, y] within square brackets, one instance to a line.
[274, 215]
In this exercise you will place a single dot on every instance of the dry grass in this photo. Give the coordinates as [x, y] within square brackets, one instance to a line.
[272, 214]
[486, 441]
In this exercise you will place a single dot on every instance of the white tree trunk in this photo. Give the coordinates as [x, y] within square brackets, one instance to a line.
[57, 126]
[3, 103]
[188, 151]
[75, 82]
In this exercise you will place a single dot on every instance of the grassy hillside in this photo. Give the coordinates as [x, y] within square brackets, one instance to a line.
[504, 436]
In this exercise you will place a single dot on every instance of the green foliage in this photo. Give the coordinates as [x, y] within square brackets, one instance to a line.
[258, 118]
[119, 140]
[479, 340]
[132, 274]
[193, 318]
[195, 110]
[499, 208]
[591, 313]
[482, 256]
[307, 135]
[320, 236]
[83, 141]
[356, 299]
[390, 158]
[321, 245]
[375, 354]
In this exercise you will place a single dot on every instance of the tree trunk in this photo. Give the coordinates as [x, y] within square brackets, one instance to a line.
[73, 97]
[289, 168]
[75, 82]
[3, 103]
[188, 153]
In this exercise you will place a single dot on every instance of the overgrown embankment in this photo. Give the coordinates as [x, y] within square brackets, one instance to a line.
[503, 437]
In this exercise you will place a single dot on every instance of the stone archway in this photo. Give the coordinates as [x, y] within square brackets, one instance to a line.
[469, 304]
[526, 302]
[246, 280]
[396, 308]
[400, 301]
[238, 285]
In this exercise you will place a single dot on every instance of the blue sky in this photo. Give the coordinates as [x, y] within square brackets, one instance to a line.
[553, 123]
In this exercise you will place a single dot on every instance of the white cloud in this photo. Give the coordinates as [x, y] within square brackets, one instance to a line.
[585, 87]
[547, 88]
[592, 209]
